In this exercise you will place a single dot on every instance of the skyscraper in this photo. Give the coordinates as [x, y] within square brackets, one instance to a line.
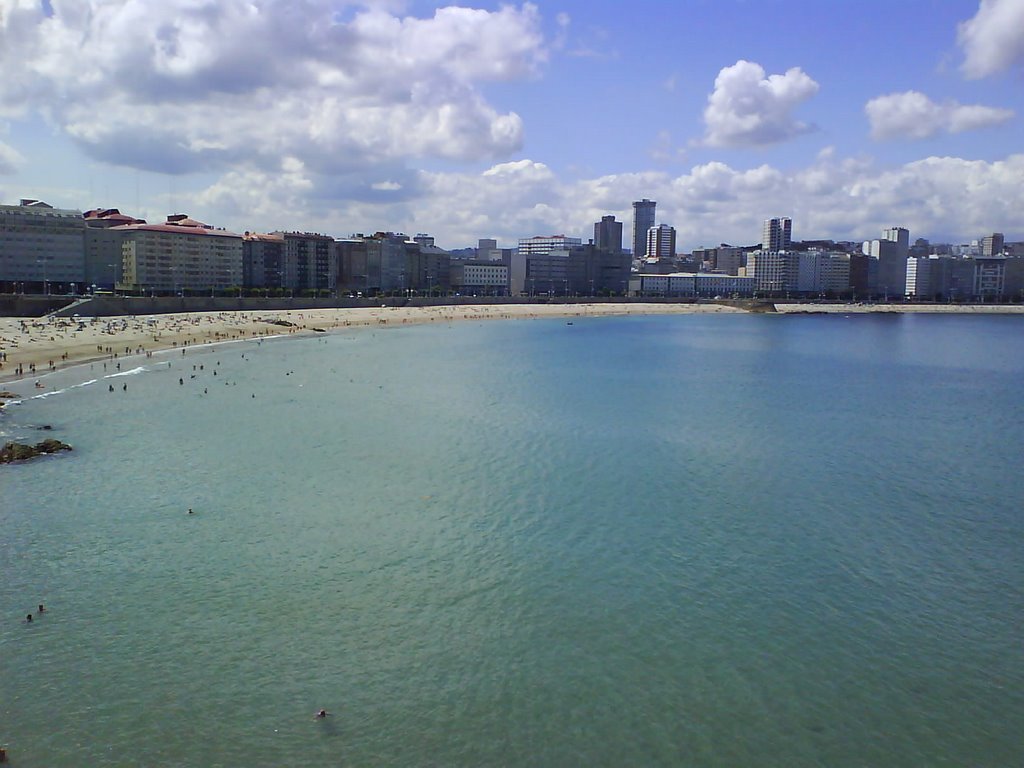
[643, 220]
[777, 234]
[608, 234]
[661, 242]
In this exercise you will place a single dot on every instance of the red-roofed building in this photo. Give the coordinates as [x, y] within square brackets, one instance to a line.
[182, 254]
[103, 242]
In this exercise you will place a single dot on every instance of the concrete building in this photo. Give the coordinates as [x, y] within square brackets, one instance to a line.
[310, 262]
[774, 271]
[992, 245]
[661, 242]
[900, 236]
[777, 234]
[42, 248]
[263, 261]
[180, 255]
[692, 285]
[538, 246]
[487, 250]
[889, 270]
[388, 262]
[724, 258]
[480, 278]
[835, 270]
[608, 234]
[582, 270]
[103, 245]
[643, 220]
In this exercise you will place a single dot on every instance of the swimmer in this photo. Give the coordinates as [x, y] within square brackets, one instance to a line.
[28, 618]
[190, 510]
[41, 608]
[321, 714]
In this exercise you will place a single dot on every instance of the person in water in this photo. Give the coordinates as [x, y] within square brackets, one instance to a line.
[321, 714]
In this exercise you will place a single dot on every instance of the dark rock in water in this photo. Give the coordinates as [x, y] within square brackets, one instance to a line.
[22, 451]
[5, 395]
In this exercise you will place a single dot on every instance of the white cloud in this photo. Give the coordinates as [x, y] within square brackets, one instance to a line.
[748, 109]
[10, 159]
[912, 115]
[993, 39]
[180, 85]
[941, 198]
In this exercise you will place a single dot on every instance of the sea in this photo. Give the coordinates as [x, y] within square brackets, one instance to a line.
[691, 540]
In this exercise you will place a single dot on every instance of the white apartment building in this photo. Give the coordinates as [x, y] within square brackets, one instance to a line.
[661, 242]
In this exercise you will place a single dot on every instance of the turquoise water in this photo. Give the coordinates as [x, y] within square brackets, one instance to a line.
[692, 540]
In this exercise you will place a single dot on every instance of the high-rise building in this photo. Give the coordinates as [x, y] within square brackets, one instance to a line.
[900, 236]
[777, 234]
[643, 220]
[992, 245]
[608, 234]
[661, 242]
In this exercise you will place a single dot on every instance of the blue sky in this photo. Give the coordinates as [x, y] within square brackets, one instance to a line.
[497, 120]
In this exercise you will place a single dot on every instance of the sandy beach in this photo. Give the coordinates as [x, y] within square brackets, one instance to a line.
[32, 347]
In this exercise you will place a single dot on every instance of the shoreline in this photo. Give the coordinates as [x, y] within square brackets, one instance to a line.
[51, 344]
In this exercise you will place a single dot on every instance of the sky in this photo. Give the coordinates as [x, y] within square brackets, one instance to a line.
[513, 120]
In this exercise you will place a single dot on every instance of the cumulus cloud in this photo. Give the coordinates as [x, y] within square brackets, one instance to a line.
[912, 115]
[180, 85]
[843, 198]
[993, 39]
[749, 109]
[10, 159]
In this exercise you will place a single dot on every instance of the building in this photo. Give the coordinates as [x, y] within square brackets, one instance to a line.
[661, 242]
[103, 261]
[263, 260]
[180, 255]
[888, 274]
[41, 247]
[691, 285]
[538, 246]
[608, 234]
[480, 278]
[725, 258]
[487, 250]
[388, 262]
[777, 234]
[310, 262]
[992, 245]
[900, 236]
[774, 271]
[643, 220]
[582, 270]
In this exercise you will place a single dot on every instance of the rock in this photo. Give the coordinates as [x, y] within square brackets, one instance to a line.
[6, 395]
[21, 451]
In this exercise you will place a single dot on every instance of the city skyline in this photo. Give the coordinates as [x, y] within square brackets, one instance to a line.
[342, 117]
